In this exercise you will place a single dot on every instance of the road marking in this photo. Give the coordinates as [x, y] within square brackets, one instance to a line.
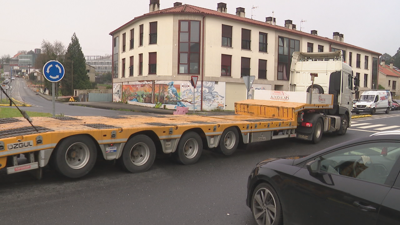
[371, 126]
[387, 128]
[359, 124]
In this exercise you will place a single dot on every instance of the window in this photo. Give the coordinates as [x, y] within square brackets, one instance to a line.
[366, 63]
[140, 64]
[365, 80]
[152, 62]
[245, 67]
[350, 58]
[226, 35]
[123, 67]
[310, 47]
[153, 33]
[388, 83]
[131, 40]
[226, 61]
[363, 162]
[115, 56]
[357, 79]
[262, 69]
[285, 50]
[358, 61]
[394, 85]
[131, 66]
[189, 47]
[123, 42]
[320, 48]
[262, 47]
[141, 35]
[246, 39]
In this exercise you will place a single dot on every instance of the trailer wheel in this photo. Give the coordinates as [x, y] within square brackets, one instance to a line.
[318, 130]
[139, 154]
[75, 156]
[189, 148]
[344, 124]
[229, 141]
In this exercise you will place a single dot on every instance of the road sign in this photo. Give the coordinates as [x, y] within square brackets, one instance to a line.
[53, 71]
[248, 81]
[193, 80]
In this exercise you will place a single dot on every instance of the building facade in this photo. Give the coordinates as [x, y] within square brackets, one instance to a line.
[102, 64]
[389, 79]
[156, 55]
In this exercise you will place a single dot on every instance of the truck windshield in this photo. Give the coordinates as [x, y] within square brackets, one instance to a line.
[367, 98]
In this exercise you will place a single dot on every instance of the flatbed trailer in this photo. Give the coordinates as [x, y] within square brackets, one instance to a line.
[71, 144]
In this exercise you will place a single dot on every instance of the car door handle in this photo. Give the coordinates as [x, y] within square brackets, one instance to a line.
[363, 207]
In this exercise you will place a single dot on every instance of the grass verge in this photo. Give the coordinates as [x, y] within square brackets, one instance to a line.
[13, 112]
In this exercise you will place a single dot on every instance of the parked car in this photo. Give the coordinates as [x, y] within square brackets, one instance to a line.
[356, 182]
[395, 105]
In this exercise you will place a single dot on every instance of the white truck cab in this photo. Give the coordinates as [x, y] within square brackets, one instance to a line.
[374, 101]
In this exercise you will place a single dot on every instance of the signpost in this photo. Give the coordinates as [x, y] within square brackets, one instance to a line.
[193, 81]
[248, 81]
[54, 72]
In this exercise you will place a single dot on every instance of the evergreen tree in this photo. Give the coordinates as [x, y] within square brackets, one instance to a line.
[75, 69]
[396, 59]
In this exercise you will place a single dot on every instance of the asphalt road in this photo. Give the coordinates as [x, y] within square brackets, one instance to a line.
[212, 191]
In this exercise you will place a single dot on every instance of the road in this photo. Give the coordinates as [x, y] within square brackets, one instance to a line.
[212, 191]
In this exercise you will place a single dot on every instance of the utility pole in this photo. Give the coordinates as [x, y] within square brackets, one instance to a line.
[72, 73]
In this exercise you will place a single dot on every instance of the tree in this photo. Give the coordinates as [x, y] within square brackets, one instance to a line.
[75, 69]
[50, 51]
[396, 59]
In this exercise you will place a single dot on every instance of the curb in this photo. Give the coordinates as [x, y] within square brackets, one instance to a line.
[360, 116]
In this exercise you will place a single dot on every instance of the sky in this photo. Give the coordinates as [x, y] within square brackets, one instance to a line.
[26, 24]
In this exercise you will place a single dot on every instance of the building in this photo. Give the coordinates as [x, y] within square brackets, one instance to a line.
[102, 64]
[91, 72]
[155, 56]
[389, 79]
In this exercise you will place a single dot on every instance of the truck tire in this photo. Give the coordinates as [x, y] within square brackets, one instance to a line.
[75, 156]
[189, 148]
[229, 141]
[317, 89]
[139, 154]
[344, 124]
[318, 130]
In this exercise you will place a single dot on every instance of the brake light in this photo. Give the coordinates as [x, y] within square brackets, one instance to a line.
[306, 124]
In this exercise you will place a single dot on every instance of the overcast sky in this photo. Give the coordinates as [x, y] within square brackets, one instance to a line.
[25, 24]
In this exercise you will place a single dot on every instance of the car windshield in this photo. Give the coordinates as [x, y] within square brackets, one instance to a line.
[367, 98]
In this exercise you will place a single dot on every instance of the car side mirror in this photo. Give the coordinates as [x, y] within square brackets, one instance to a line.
[313, 169]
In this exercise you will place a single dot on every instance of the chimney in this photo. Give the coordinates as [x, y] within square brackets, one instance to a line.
[336, 36]
[391, 65]
[294, 26]
[240, 12]
[341, 37]
[177, 4]
[314, 32]
[271, 20]
[154, 5]
[221, 7]
[383, 63]
[288, 24]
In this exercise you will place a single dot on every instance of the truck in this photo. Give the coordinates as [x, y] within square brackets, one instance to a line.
[71, 144]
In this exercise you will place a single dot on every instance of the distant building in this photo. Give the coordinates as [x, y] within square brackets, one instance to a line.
[155, 55]
[102, 64]
[389, 78]
[91, 72]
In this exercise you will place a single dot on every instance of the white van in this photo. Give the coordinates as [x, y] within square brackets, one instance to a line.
[374, 101]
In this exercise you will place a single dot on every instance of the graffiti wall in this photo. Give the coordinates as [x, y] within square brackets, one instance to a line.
[170, 94]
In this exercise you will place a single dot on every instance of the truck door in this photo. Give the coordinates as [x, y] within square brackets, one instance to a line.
[346, 89]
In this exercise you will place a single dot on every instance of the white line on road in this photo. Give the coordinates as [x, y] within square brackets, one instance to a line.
[359, 124]
[371, 126]
[387, 128]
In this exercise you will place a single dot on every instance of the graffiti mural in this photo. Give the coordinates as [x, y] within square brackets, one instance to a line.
[171, 94]
[117, 92]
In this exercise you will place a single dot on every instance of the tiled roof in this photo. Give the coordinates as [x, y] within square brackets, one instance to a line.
[385, 69]
[190, 9]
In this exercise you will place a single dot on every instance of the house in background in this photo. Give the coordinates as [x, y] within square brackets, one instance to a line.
[389, 78]
[91, 72]
[157, 54]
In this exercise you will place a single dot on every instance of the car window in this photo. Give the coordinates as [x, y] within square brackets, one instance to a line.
[371, 162]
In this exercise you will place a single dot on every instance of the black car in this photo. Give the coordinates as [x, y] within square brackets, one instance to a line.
[356, 182]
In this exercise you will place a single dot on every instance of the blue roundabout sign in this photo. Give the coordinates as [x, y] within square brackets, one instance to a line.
[53, 71]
